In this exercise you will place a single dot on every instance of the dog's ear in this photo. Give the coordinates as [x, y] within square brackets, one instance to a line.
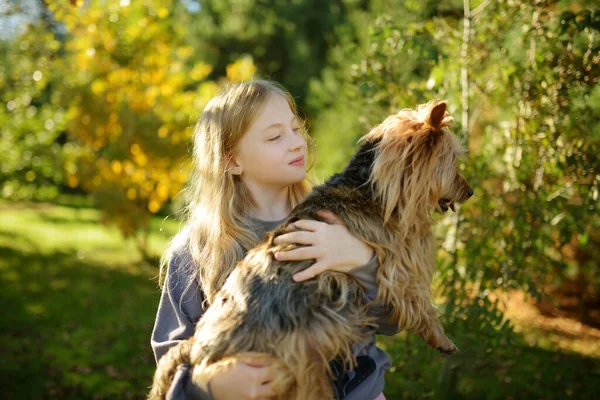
[437, 114]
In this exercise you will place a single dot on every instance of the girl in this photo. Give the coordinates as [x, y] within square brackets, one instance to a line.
[250, 151]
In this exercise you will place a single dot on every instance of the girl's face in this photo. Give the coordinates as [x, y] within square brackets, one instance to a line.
[268, 153]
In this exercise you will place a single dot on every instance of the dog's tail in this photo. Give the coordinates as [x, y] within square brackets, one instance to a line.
[167, 367]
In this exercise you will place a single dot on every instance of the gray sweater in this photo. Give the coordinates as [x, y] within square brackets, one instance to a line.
[179, 310]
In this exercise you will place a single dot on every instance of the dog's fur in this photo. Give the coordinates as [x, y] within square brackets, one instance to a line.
[405, 169]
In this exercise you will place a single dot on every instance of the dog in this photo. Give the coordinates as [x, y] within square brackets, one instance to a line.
[405, 169]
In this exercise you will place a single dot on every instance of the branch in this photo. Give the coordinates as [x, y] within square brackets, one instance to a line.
[479, 9]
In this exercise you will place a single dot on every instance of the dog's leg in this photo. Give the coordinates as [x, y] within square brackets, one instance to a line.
[431, 331]
[413, 309]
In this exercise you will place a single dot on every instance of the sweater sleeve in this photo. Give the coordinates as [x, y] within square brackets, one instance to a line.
[179, 309]
[183, 388]
[366, 276]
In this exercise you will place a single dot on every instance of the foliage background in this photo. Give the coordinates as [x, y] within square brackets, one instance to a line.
[98, 101]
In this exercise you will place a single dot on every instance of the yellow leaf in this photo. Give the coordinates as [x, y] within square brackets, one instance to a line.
[116, 167]
[135, 149]
[163, 13]
[200, 71]
[141, 160]
[162, 191]
[131, 194]
[154, 206]
[163, 131]
[184, 52]
[207, 90]
[98, 86]
[115, 131]
[139, 176]
[129, 167]
[187, 133]
[97, 144]
[241, 70]
[166, 89]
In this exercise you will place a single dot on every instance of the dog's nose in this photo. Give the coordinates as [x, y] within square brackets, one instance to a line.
[470, 192]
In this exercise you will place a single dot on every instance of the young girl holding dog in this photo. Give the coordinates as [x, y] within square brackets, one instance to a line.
[250, 153]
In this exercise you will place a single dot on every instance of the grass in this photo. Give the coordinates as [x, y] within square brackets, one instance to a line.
[518, 371]
[79, 310]
[79, 305]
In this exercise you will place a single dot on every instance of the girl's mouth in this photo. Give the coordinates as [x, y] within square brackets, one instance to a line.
[298, 161]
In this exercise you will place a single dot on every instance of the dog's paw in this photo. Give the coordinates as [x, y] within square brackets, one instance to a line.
[452, 349]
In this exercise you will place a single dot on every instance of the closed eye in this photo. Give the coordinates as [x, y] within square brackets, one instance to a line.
[274, 138]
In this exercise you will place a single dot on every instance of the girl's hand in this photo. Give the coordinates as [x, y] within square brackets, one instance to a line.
[331, 244]
[249, 379]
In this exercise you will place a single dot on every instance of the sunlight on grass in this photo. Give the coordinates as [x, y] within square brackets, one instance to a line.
[46, 228]
[551, 332]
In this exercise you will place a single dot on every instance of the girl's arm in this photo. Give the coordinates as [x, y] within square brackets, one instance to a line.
[179, 309]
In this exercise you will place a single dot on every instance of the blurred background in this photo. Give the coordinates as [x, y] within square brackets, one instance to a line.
[97, 103]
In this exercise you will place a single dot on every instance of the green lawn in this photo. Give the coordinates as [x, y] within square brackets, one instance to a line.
[79, 305]
[79, 309]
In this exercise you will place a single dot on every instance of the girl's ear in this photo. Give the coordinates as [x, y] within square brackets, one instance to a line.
[233, 166]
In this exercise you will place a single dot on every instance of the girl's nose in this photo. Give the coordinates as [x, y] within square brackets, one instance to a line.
[298, 141]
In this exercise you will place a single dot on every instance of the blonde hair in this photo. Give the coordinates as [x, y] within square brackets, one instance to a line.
[213, 230]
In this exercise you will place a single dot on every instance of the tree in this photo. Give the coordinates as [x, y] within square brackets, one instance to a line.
[32, 122]
[124, 86]
[521, 79]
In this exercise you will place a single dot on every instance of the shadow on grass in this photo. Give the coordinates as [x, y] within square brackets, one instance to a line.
[74, 201]
[75, 329]
[78, 217]
[72, 329]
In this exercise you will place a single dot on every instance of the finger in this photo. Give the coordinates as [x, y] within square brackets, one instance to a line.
[257, 380]
[290, 228]
[268, 380]
[308, 224]
[309, 272]
[266, 390]
[330, 217]
[298, 254]
[299, 237]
